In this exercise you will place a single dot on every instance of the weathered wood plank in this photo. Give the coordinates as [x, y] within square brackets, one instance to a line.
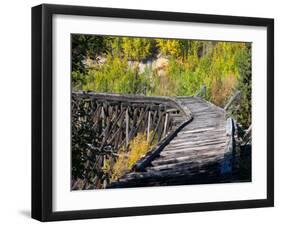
[195, 149]
[200, 143]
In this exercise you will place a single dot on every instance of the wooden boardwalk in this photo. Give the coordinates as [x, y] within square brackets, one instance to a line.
[196, 141]
[202, 151]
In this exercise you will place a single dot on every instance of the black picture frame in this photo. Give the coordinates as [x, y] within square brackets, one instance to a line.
[42, 111]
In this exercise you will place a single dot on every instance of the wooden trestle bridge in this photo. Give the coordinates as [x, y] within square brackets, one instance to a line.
[196, 141]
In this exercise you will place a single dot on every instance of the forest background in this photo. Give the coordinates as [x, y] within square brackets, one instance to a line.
[164, 67]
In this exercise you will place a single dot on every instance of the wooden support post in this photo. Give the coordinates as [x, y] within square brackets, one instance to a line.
[204, 91]
[127, 127]
[102, 116]
[201, 92]
[156, 127]
[148, 126]
[232, 99]
[247, 136]
[226, 164]
[165, 123]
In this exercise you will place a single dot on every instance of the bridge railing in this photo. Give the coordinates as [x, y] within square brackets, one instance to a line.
[116, 119]
[103, 123]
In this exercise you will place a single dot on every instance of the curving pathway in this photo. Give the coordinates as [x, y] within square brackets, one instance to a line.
[202, 151]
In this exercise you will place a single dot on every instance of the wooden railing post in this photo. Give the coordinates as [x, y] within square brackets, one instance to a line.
[247, 136]
[165, 123]
[127, 127]
[102, 116]
[201, 91]
[148, 126]
[232, 99]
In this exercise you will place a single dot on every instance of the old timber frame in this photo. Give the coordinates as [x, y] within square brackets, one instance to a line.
[196, 141]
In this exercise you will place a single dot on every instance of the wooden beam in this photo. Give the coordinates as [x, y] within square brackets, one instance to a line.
[165, 123]
[148, 126]
[226, 165]
[247, 136]
[201, 92]
[127, 127]
[232, 99]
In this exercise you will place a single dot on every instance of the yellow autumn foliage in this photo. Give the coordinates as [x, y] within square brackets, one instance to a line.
[138, 147]
[120, 166]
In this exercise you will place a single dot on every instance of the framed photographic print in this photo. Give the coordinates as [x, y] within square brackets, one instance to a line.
[147, 112]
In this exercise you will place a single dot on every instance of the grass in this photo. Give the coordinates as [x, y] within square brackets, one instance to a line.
[138, 147]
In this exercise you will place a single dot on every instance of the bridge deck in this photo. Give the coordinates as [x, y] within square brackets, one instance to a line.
[195, 155]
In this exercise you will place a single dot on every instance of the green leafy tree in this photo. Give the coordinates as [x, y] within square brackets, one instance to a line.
[136, 48]
[174, 48]
[243, 112]
[84, 46]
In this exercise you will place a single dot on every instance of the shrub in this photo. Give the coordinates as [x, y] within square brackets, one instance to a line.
[243, 112]
[115, 76]
[136, 48]
[120, 166]
[138, 147]
[77, 80]
[222, 89]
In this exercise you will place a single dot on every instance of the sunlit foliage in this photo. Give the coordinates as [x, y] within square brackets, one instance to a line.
[174, 48]
[133, 66]
[136, 48]
[138, 147]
